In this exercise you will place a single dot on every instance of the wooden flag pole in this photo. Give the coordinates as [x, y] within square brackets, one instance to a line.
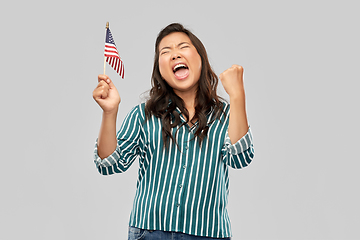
[107, 26]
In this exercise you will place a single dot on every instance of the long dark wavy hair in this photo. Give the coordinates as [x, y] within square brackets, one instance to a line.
[163, 100]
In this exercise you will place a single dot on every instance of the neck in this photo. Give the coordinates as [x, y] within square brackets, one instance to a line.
[189, 100]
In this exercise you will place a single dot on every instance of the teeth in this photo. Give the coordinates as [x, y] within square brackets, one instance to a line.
[179, 65]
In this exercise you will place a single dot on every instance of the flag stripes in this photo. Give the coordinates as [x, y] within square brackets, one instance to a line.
[112, 55]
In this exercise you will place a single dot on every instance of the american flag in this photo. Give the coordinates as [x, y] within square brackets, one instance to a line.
[112, 55]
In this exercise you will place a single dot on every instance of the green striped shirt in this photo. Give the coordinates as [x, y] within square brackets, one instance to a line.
[181, 189]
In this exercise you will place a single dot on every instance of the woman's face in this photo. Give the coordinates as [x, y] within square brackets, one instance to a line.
[179, 63]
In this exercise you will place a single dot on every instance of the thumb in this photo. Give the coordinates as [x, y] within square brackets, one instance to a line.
[111, 84]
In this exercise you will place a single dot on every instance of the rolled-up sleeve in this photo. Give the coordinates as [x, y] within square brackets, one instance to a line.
[128, 138]
[239, 154]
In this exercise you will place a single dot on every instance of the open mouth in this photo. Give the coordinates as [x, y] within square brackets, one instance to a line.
[181, 71]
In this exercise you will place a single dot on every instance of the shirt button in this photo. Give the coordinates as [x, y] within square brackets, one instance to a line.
[184, 166]
[180, 186]
[186, 147]
[178, 205]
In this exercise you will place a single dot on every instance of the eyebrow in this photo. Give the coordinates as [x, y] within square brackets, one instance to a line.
[177, 46]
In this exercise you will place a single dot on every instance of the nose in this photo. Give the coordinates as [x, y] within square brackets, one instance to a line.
[175, 56]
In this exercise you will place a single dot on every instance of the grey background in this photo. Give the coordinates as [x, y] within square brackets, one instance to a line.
[301, 61]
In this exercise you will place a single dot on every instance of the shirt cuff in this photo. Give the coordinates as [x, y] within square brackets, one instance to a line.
[240, 146]
[111, 160]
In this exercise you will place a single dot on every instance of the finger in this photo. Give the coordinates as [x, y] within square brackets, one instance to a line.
[104, 94]
[111, 84]
[103, 85]
[101, 91]
[104, 89]
[235, 66]
[97, 93]
[240, 68]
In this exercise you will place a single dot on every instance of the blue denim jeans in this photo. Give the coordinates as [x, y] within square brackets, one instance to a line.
[142, 234]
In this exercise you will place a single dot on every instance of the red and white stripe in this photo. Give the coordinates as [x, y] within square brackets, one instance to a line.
[113, 58]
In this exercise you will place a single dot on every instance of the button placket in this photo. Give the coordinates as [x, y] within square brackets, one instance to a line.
[182, 185]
